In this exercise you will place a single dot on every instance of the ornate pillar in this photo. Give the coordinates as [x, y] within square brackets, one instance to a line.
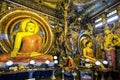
[104, 18]
[4, 6]
[65, 22]
[66, 5]
[118, 9]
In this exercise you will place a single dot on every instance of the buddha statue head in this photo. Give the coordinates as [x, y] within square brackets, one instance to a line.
[89, 44]
[29, 25]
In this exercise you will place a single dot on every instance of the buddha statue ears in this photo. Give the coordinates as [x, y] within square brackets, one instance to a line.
[24, 23]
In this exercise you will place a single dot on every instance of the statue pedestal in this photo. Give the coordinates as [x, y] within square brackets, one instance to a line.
[85, 73]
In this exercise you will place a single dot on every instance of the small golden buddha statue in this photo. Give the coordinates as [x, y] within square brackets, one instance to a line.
[88, 52]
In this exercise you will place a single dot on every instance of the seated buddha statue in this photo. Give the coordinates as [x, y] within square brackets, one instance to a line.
[88, 52]
[28, 44]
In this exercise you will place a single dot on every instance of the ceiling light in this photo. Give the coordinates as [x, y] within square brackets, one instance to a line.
[113, 18]
[113, 12]
[98, 25]
[98, 20]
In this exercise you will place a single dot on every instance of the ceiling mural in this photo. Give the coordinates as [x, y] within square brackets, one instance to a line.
[99, 6]
[83, 2]
[49, 7]
[91, 7]
[85, 8]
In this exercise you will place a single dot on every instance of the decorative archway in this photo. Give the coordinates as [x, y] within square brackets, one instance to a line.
[83, 38]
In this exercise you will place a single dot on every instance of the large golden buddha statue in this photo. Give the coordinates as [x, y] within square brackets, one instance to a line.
[28, 44]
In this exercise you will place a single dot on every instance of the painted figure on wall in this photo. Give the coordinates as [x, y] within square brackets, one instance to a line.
[4, 6]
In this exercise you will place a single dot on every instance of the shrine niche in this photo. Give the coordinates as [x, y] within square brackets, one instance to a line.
[81, 42]
[9, 26]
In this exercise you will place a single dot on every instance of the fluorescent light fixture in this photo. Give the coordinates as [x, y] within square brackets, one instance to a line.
[113, 18]
[98, 25]
[113, 12]
[98, 20]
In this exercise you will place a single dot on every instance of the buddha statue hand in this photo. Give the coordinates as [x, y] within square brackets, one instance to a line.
[34, 54]
[13, 54]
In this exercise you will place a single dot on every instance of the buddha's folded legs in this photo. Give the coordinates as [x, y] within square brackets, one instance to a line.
[5, 57]
[24, 57]
[43, 58]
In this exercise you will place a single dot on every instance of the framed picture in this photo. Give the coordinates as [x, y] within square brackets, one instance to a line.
[86, 75]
